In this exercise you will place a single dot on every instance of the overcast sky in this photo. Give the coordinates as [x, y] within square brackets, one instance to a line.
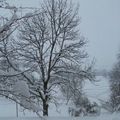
[100, 25]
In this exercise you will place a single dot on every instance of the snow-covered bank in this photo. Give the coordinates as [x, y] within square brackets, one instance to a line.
[101, 117]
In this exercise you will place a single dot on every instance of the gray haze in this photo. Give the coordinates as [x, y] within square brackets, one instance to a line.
[100, 25]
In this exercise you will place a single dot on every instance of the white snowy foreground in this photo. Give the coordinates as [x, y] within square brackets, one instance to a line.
[101, 117]
[96, 91]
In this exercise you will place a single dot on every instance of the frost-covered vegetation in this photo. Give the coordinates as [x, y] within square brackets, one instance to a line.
[42, 53]
[43, 59]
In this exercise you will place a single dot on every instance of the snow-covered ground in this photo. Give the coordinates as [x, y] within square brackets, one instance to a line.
[95, 91]
[101, 117]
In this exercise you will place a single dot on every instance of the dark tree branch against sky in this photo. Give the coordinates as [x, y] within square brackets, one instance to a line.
[100, 24]
[49, 45]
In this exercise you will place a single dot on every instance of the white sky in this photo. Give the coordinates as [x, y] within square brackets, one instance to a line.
[100, 25]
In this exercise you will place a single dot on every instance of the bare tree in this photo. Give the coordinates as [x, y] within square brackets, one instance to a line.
[8, 64]
[115, 87]
[51, 48]
[9, 25]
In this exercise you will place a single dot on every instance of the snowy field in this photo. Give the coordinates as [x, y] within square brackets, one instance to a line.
[94, 91]
[102, 117]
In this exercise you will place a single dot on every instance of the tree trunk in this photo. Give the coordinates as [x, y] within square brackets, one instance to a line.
[45, 101]
[45, 108]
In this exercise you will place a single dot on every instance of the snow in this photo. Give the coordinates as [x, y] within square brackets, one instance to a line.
[10, 7]
[96, 91]
[8, 24]
[102, 117]
[3, 73]
[21, 88]
[28, 15]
